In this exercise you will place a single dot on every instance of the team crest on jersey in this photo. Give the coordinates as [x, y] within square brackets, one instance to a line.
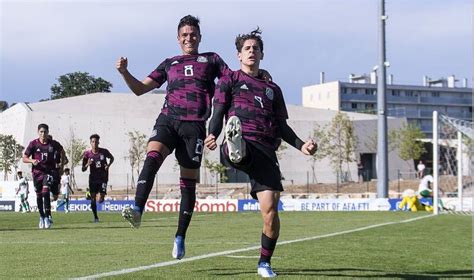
[202, 59]
[101, 157]
[269, 93]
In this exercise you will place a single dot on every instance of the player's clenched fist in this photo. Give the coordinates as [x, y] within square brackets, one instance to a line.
[310, 147]
[210, 142]
[122, 64]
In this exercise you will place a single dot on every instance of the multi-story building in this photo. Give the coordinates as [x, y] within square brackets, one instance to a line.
[416, 103]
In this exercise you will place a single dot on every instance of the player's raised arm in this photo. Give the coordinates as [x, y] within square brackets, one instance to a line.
[136, 86]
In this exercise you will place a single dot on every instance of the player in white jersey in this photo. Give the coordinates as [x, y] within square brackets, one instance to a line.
[23, 190]
[65, 189]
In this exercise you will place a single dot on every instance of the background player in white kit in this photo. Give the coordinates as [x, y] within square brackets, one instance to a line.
[65, 189]
[23, 190]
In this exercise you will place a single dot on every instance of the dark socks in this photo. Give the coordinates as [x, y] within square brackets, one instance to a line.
[39, 203]
[47, 202]
[152, 163]
[186, 208]
[94, 208]
[268, 246]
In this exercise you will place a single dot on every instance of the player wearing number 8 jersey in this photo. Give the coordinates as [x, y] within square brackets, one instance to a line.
[181, 124]
[96, 159]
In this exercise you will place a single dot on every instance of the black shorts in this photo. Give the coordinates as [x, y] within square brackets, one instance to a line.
[98, 187]
[48, 180]
[262, 167]
[187, 137]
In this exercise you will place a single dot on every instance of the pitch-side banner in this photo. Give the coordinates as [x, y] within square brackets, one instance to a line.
[202, 205]
[335, 204]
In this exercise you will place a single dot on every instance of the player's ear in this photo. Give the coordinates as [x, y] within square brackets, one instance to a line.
[239, 56]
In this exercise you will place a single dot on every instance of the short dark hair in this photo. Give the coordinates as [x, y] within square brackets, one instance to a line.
[94, 136]
[43, 125]
[19, 172]
[66, 169]
[191, 21]
[255, 35]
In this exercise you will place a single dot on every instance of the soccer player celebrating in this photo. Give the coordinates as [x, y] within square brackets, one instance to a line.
[23, 190]
[46, 156]
[256, 119]
[96, 159]
[181, 124]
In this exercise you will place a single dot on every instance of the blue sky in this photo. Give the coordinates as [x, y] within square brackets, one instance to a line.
[41, 40]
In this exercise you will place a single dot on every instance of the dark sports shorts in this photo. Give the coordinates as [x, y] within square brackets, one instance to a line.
[261, 165]
[98, 187]
[187, 137]
[39, 181]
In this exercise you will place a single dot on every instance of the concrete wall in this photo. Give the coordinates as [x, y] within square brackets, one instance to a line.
[112, 115]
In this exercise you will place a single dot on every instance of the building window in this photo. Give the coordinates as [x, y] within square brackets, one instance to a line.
[369, 106]
[344, 90]
[354, 105]
[353, 90]
[369, 91]
[395, 92]
[435, 94]
[409, 93]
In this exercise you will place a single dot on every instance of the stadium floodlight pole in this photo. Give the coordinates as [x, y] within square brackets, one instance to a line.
[435, 162]
[382, 158]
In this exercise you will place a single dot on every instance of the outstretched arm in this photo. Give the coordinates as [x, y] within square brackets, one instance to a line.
[287, 134]
[215, 127]
[137, 87]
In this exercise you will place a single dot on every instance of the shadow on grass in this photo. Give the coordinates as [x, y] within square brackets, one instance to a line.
[348, 273]
[372, 273]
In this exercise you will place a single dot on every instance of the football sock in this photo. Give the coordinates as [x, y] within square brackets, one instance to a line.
[186, 208]
[152, 163]
[268, 246]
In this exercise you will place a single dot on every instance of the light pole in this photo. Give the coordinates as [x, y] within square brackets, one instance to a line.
[382, 158]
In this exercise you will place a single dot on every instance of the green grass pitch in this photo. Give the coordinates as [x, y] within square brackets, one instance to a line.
[429, 248]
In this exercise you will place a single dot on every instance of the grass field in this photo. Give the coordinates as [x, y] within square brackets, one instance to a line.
[339, 245]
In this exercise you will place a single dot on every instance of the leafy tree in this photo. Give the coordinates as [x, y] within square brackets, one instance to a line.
[78, 83]
[136, 152]
[74, 149]
[10, 154]
[371, 142]
[408, 144]
[341, 141]
[217, 170]
[281, 150]
[320, 137]
[3, 105]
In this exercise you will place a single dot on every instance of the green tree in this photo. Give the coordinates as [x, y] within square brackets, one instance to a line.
[74, 149]
[3, 105]
[407, 141]
[281, 150]
[136, 152]
[10, 154]
[342, 142]
[78, 83]
[217, 170]
[320, 137]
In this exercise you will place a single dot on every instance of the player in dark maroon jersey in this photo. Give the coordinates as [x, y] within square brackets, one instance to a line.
[256, 120]
[96, 159]
[47, 158]
[181, 124]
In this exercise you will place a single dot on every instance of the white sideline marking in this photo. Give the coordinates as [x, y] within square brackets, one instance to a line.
[229, 252]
